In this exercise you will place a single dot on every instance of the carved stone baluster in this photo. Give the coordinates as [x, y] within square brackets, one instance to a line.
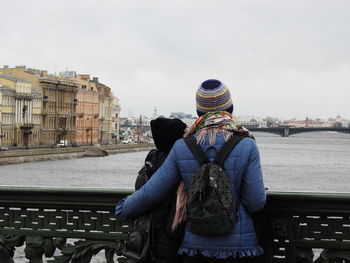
[36, 247]
[7, 247]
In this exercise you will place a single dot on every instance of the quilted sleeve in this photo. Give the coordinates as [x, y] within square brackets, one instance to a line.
[153, 192]
[253, 195]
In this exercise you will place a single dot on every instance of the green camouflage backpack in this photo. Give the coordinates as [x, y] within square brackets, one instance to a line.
[211, 208]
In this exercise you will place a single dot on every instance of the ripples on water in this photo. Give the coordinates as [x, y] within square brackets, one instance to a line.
[303, 162]
[306, 162]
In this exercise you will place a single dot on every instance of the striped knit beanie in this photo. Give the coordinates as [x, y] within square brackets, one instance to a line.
[213, 95]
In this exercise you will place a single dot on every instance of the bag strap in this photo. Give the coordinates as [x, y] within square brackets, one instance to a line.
[221, 156]
[197, 151]
[227, 148]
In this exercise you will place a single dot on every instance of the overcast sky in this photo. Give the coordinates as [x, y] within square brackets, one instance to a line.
[278, 57]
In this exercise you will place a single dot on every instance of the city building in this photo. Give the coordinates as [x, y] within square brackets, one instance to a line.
[318, 123]
[58, 103]
[105, 112]
[251, 121]
[87, 109]
[0, 113]
[23, 113]
[340, 122]
[59, 110]
[115, 120]
[7, 115]
[1, 133]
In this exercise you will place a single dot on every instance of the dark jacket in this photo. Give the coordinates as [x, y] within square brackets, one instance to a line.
[165, 243]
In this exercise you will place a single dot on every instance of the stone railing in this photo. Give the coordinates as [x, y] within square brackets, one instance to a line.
[76, 224]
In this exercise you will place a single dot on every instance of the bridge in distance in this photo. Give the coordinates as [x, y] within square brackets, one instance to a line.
[287, 131]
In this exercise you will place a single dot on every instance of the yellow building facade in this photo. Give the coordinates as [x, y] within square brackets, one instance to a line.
[58, 106]
[21, 112]
[52, 109]
[59, 111]
[1, 134]
[105, 112]
[7, 115]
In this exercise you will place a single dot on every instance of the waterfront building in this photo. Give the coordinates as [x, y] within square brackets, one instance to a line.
[22, 113]
[105, 111]
[59, 110]
[7, 113]
[340, 122]
[58, 103]
[318, 123]
[1, 106]
[251, 121]
[87, 109]
[115, 120]
[1, 135]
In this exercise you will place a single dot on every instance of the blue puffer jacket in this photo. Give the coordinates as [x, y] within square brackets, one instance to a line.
[242, 166]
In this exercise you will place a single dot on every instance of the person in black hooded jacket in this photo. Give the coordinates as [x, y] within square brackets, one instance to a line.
[165, 241]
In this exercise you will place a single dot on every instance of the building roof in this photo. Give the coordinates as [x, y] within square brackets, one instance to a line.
[4, 87]
[87, 91]
[13, 78]
[36, 91]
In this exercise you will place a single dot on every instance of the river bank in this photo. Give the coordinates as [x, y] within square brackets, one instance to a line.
[44, 154]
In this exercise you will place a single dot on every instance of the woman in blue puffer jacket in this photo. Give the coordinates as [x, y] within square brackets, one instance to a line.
[214, 126]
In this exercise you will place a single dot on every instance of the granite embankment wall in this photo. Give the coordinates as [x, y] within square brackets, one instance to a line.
[43, 154]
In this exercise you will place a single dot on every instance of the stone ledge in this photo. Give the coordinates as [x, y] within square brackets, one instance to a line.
[43, 154]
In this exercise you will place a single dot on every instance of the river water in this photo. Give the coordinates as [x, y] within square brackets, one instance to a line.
[304, 162]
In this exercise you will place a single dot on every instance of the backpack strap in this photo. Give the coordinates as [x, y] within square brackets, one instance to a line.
[227, 148]
[196, 150]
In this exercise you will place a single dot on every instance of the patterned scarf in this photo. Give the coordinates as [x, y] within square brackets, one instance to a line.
[212, 124]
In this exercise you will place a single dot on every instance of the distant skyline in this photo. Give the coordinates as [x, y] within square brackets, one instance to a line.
[286, 59]
[237, 115]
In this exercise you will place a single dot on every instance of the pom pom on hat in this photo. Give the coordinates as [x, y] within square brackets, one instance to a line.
[213, 95]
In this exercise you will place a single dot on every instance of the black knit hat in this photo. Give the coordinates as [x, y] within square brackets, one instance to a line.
[166, 131]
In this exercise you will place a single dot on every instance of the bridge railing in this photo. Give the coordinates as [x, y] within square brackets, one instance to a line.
[77, 223]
